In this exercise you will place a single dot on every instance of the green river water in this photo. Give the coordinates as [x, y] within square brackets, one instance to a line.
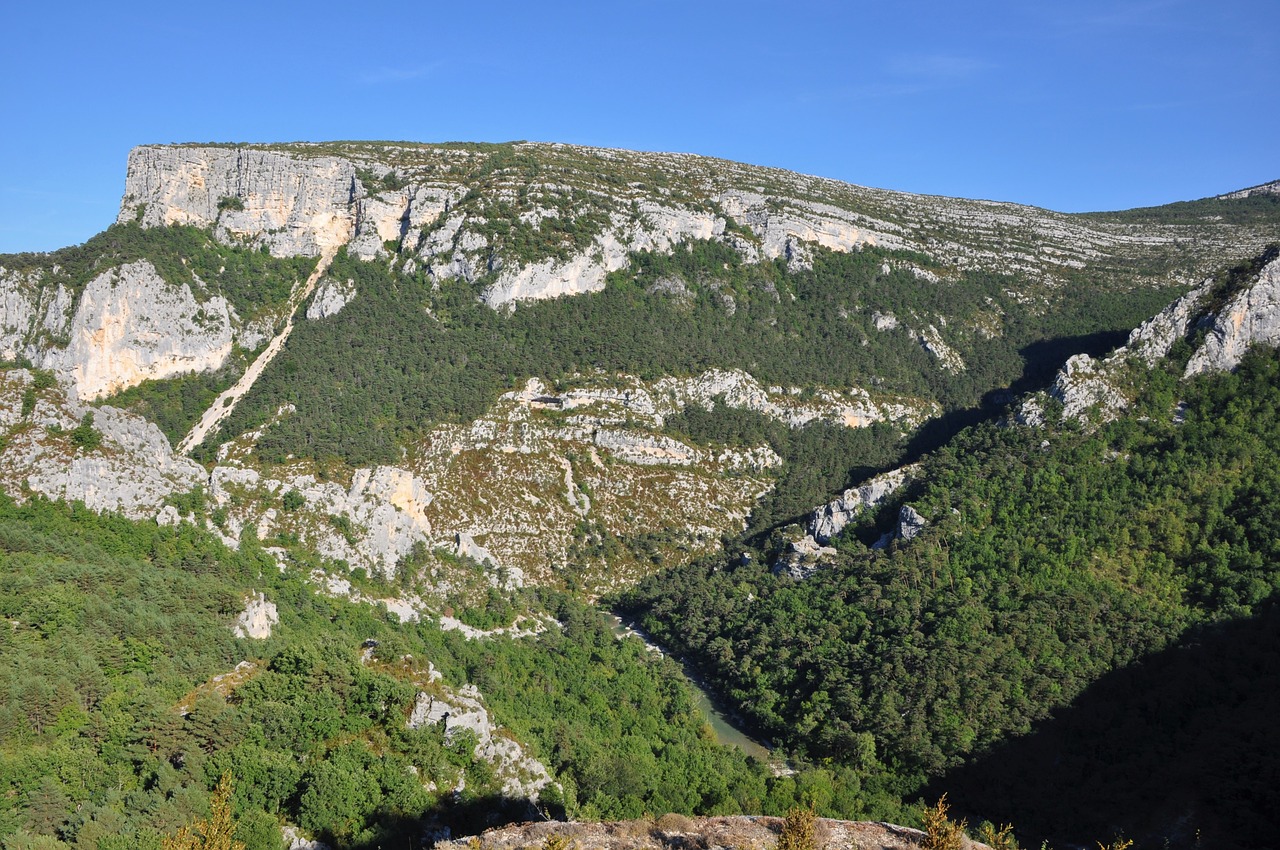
[726, 732]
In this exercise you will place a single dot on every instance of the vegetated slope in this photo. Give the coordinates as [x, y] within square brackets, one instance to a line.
[1051, 556]
[414, 355]
[1180, 747]
[124, 696]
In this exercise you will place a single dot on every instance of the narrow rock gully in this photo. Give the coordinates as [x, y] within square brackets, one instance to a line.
[226, 402]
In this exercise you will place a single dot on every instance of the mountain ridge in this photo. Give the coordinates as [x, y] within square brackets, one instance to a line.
[533, 375]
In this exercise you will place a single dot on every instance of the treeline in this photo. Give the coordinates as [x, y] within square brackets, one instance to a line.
[251, 280]
[1051, 557]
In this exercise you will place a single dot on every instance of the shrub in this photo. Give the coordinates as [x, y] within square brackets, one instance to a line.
[942, 833]
[798, 829]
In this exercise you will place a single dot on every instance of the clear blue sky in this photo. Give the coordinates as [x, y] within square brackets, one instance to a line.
[1068, 105]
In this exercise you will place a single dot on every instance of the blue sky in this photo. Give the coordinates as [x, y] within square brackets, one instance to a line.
[1071, 106]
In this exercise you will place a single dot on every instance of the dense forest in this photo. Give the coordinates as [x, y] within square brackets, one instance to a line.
[1051, 558]
[406, 353]
[113, 729]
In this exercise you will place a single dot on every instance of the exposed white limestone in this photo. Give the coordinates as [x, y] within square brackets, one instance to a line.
[132, 472]
[257, 619]
[830, 519]
[462, 710]
[910, 523]
[295, 203]
[1095, 390]
[931, 341]
[1251, 317]
[330, 297]
[131, 326]
[805, 555]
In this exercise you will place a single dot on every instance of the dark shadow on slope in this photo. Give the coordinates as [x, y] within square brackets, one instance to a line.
[790, 504]
[464, 817]
[1180, 751]
[1041, 362]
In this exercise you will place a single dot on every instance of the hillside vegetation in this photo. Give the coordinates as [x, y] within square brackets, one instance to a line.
[1052, 557]
[533, 381]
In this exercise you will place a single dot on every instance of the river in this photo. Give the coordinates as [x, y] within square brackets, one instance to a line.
[726, 732]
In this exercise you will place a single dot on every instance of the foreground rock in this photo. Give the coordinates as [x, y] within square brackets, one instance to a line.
[678, 831]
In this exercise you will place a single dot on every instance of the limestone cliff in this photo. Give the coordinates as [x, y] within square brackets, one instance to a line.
[294, 205]
[1223, 320]
[131, 326]
[132, 471]
[539, 221]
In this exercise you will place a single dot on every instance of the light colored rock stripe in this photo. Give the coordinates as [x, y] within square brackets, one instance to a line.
[226, 402]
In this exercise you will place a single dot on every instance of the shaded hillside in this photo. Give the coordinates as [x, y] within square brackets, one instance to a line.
[1178, 750]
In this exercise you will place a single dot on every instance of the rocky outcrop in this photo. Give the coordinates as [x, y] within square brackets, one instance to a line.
[1251, 317]
[33, 314]
[933, 343]
[1086, 387]
[521, 775]
[910, 523]
[330, 297]
[1272, 188]
[1094, 391]
[133, 471]
[804, 556]
[655, 228]
[830, 519]
[711, 833]
[128, 325]
[257, 619]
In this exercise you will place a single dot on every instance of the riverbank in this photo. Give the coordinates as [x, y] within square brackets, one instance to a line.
[722, 722]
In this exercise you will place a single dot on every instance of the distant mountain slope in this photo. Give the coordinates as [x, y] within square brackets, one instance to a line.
[892, 307]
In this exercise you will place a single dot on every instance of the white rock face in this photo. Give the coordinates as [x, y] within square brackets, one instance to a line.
[910, 523]
[257, 619]
[1092, 391]
[523, 776]
[1086, 388]
[782, 227]
[330, 297]
[132, 473]
[806, 555]
[830, 519]
[657, 229]
[932, 342]
[399, 216]
[1152, 340]
[31, 313]
[1272, 188]
[295, 204]
[295, 840]
[1251, 317]
[131, 326]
